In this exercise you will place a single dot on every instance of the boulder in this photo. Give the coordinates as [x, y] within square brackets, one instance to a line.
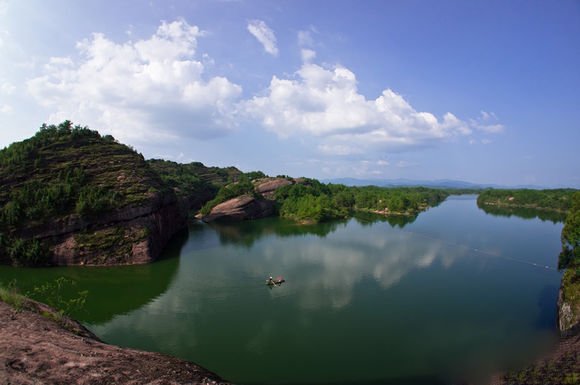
[241, 208]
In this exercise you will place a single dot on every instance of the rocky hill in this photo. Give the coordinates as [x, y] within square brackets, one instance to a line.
[71, 196]
[247, 199]
[195, 182]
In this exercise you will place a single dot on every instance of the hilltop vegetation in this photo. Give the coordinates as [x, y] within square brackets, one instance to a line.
[63, 171]
[549, 199]
[194, 181]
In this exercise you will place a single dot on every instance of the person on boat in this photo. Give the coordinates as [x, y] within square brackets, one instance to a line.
[270, 281]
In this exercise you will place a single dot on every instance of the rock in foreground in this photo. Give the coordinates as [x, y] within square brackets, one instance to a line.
[37, 350]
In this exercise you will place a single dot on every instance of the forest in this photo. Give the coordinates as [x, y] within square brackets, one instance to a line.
[548, 199]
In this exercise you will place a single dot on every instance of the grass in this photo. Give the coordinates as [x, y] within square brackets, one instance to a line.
[12, 296]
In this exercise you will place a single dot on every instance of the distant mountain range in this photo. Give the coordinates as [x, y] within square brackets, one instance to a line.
[439, 183]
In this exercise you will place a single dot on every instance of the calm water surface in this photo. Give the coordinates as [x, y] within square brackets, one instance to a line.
[451, 297]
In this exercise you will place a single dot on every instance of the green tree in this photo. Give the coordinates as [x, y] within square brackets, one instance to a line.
[570, 255]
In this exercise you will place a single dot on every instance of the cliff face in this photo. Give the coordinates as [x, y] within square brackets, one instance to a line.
[569, 305]
[37, 350]
[132, 235]
[71, 197]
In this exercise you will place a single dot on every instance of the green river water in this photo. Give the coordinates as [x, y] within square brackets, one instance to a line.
[450, 298]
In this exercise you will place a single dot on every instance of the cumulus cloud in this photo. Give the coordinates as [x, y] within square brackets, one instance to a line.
[325, 103]
[487, 122]
[264, 35]
[144, 90]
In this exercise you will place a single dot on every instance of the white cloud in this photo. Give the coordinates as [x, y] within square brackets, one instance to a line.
[264, 35]
[405, 164]
[6, 109]
[338, 149]
[305, 39]
[484, 123]
[307, 55]
[485, 141]
[143, 90]
[325, 103]
[4, 4]
[6, 88]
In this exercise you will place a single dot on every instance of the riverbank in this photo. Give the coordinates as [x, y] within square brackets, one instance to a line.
[37, 346]
[562, 366]
[525, 206]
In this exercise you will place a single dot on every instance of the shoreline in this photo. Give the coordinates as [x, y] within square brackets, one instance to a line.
[527, 206]
[40, 346]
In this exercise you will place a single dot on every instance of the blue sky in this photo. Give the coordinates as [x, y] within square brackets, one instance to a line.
[481, 91]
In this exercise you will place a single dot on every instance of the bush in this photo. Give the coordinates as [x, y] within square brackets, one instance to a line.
[27, 252]
[53, 294]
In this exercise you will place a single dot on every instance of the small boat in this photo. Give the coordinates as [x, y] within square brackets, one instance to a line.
[274, 283]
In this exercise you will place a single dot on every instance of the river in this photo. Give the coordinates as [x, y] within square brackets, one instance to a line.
[453, 296]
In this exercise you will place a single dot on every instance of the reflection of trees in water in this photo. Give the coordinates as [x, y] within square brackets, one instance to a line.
[523, 212]
[112, 290]
[367, 219]
[119, 290]
[246, 233]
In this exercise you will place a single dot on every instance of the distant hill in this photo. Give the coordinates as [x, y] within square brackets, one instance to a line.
[402, 182]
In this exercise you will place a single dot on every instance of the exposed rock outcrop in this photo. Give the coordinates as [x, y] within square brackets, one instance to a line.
[568, 310]
[246, 207]
[241, 208]
[37, 350]
[131, 235]
[269, 187]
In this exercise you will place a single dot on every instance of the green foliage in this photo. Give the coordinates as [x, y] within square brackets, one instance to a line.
[96, 200]
[54, 294]
[23, 252]
[570, 255]
[11, 295]
[310, 208]
[66, 170]
[400, 200]
[194, 181]
[255, 175]
[549, 199]
[315, 201]
[243, 187]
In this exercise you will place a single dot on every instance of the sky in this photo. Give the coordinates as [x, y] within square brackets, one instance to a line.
[480, 91]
